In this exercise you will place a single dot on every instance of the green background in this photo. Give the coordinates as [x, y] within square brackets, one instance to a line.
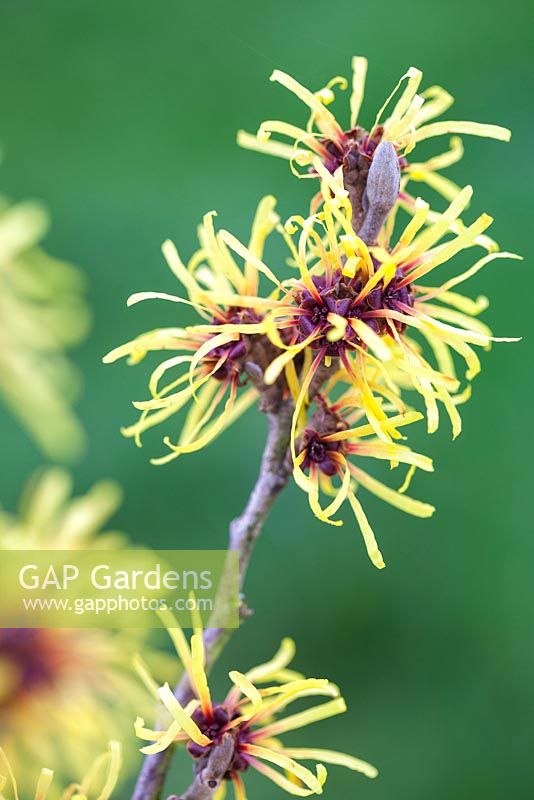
[121, 116]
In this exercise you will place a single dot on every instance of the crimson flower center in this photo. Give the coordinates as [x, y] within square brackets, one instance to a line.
[352, 144]
[319, 452]
[214, 727]
[339, 295]
[233, 353]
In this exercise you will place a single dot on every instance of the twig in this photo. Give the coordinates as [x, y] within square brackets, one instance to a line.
[210, 771]
[244, 531]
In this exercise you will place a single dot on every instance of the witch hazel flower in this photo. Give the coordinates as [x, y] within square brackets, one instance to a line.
[210, 366]
[359, 305]
[326, 142]
[330, 458]
[242, 732]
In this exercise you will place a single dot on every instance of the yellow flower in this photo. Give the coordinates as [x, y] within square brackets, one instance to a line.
[249, 718]
[98, 784]
[42, 314]
[327, 141]
[360, 304]
[62, 690]
[328, 447]
[210, 365]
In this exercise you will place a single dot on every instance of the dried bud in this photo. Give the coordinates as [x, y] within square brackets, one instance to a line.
[381, 191]
[383, 180]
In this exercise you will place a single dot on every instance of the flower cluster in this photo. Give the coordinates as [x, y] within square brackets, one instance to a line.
[242, 732]
[355, 314]
[98, 784]
[216, 355]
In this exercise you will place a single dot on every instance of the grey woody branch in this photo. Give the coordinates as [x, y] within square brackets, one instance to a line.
[210, 771]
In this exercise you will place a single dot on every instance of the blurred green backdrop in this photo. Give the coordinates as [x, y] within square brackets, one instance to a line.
[121, 117]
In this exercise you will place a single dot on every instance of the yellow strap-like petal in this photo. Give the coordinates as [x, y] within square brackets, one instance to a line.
[220, 793]
[302, 719]
[359, 73]
[198, 660]
[325, 120]
[208, 436]
[437, 101]
[410, 74]
[458, 318]
[147, 734]
[162, 368]
[371, 339]
[452, 411]
[414, 226]
[290, 692]
[401, 501]
[367, 430]
[207, 400]
[159, 339]
[450, 284]
[250, 141]
[300, 136]
[339, 326]
[162, 738]
[115, 762]
[367, 532]
[43, 785]
[278, 364]
[249, 257]
[289, 764]
[438, 229]
[442, 160]
[11, 776]
[470, 128]
[178, 638]
[413, 76]
[471, 307]
[239, 787]
[287, 785]
[393, 452]
[179, 714]
[220, 258]
[442, 185]
[179, 269]
[247, 688]
[143, 671]
[264, 223]
[283, 657]
[139, 297]
[332, 757]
